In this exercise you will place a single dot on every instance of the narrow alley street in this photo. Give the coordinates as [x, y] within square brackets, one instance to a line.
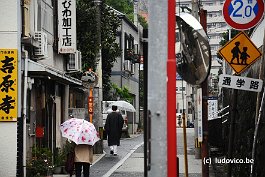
[130, 159]
[120, 165]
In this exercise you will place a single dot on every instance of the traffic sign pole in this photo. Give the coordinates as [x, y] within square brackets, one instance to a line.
[231, 130]
[204, 85]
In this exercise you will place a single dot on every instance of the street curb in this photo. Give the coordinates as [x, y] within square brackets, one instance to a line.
[115, 167]
[133, 136]
[99, 158]
[104, 153]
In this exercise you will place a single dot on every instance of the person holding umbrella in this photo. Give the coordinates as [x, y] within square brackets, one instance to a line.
[83, 159]
[113, 128]
[84, 135]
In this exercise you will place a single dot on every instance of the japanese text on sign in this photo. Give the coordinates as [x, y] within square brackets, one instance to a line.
[8, 85]
[241, 83]
[67, 26]
[199, 109]
[90, 105]
[212, 109]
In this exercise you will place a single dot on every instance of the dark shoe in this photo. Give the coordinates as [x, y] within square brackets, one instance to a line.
[111, 152]
[115, 154]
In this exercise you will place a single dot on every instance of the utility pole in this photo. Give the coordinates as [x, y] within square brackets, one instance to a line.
[146, 113]
[231, 130]
[184, 118]
[135, 12]
[195, 9]
[204, 85]
[135, 19]
[195, 13]
[162, 88]
[98, 92]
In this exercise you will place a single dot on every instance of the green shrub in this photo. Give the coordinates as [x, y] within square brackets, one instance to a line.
[41, 162]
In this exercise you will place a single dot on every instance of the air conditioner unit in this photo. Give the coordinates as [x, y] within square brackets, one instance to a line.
[75, 61]
[42, 49]
[127, 65]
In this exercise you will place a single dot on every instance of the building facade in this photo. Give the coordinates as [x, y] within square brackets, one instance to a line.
[46, 55]
[10, 40]
[216, 25]
[125, 72]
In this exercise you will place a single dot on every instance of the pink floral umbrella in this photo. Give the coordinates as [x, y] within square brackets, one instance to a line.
[79, 131]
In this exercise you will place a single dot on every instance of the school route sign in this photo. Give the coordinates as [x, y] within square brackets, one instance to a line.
[243, 14]
[240, 83]
[240, 52]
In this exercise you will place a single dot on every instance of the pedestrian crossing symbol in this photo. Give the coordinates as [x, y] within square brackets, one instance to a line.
[240, 52]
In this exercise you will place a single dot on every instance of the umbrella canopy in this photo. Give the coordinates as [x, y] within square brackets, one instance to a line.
[124, 105]
[79, 131]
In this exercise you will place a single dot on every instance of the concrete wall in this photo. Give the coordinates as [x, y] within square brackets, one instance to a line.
[8, 130]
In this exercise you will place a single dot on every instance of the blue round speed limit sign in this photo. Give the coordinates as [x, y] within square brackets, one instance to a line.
[243, 14]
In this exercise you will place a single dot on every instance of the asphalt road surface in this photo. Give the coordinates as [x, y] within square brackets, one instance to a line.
[130, 159]
[115, 166]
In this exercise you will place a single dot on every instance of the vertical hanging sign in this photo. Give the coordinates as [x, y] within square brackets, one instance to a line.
[212, 108]
[67, 26]
[199, 112]
[8, 84]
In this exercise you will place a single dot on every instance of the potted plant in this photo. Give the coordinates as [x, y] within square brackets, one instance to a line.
[59, 161]
[61, 156]
[40, 165]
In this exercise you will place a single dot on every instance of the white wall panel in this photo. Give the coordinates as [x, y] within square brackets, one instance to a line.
[8, 130]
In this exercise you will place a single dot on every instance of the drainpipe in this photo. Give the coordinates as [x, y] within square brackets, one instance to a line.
[25, 109]
[122, 48]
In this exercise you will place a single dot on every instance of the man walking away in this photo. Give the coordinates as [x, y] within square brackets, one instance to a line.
[113, 128]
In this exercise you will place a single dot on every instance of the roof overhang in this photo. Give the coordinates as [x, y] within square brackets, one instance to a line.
[39, 70]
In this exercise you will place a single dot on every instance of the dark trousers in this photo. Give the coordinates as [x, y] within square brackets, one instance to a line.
[78, 169]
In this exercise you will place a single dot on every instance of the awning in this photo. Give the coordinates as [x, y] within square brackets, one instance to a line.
[39, 70]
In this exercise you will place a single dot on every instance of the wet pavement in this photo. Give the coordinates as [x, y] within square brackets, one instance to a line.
[109, 161]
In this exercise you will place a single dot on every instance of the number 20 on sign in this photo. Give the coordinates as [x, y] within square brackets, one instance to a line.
[243, 14]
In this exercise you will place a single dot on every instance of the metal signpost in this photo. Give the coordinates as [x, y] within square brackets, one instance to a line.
[243, 14]
[240, 53]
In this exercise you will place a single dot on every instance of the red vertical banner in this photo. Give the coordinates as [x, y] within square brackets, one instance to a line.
[171, 93]
[90, 105]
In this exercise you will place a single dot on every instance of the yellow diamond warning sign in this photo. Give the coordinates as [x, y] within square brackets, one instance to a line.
[240, 52]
